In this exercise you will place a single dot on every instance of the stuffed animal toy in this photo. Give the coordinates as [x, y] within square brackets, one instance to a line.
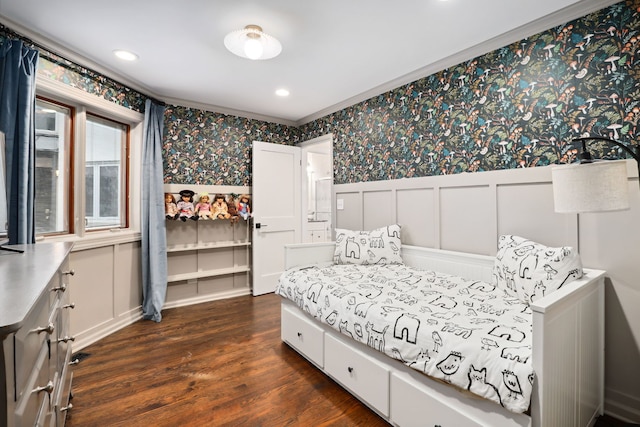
[244, 206]
[185, 206]
[220, 208]
[170, 207]
[203, 207]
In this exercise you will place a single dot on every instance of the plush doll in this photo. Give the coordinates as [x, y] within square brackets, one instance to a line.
[185, 206]
[233, 211]
[203, 208]
[170, 207]
[244, 206]
[220, 208]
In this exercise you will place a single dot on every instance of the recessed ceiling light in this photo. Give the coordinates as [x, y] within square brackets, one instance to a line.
[282, 92]
[125, 54]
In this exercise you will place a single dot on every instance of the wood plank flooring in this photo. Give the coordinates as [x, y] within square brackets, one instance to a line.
[214, 364]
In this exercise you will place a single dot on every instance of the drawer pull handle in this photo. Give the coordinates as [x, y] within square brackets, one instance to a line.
[66, 339]
[69, 273]
[48, 329]
[350, 369]
[72, 305]
[74, 362]
[60, 288]
[48, 388]
[66, 408]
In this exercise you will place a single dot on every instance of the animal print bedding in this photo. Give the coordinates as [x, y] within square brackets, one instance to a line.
[467, 333]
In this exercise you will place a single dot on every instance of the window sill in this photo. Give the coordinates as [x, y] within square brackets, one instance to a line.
[96, 239]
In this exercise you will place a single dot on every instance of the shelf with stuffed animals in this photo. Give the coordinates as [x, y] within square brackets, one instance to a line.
[208, 240]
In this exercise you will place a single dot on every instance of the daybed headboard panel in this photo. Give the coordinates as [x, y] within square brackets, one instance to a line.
[469, 266]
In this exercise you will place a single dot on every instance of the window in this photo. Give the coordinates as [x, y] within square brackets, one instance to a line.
[53, 148]
[105, 175]
[102, 175]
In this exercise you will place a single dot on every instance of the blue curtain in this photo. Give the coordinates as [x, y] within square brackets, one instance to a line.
[18, 65]
[154, 238]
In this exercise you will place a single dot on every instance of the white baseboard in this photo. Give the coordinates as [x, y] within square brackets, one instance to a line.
[206, 298]
[622, 406]
[98, 332]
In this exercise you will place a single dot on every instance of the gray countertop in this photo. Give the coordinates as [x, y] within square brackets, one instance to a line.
[23, 277]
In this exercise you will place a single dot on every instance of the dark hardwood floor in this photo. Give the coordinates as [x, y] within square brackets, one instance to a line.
[214, 364]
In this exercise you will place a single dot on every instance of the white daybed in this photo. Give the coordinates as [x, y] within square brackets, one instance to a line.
[568, 353]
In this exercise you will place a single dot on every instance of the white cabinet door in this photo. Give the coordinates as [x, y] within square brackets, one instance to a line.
[277, 213]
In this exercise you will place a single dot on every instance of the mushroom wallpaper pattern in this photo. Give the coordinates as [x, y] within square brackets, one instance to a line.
[515, 107]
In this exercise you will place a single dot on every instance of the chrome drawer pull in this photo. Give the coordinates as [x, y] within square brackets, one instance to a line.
[60, 288]
[72, 305]
[69, 273]
[66, 408]
[74, 362]
[48, 388]
[48, 329]
[66, 339]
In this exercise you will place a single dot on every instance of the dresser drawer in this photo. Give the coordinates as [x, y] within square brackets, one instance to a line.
[413, 405]
[356, 371]
[33, 402]
[299, 332]
[30, 339]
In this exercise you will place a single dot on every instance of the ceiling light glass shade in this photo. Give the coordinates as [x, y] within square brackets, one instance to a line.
[591, 187]
[252, 43]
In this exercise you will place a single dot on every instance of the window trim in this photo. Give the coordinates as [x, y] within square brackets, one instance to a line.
[83, 101]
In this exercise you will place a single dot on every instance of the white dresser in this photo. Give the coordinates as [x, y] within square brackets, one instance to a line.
[35, 381]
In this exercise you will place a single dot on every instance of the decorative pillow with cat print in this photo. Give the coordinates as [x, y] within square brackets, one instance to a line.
[379, 246]
[529, 270]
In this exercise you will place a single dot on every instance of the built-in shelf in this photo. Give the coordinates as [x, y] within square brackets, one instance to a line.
[202, 246]
[208, 259]
[208, 273]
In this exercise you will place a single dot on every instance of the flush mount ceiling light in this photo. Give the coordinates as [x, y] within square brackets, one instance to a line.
[252, 43]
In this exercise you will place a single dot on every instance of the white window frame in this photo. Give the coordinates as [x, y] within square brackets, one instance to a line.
[84, 102]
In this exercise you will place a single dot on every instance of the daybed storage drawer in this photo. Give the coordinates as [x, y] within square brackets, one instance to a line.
[412, 405]
[300, 332]
[361, 374]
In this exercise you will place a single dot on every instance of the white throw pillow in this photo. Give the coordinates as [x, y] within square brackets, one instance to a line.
[530, 270]
[379, 246]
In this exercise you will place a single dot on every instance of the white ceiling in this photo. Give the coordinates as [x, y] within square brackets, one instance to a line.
[335, 52]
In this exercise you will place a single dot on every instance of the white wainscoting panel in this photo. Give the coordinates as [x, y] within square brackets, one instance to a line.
[416, 213]
[467, 219]
[350, 217]
[379, 206]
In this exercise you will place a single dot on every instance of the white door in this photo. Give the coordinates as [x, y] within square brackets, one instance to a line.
[277, 213]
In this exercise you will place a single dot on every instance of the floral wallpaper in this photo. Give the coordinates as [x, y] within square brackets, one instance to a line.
[515, 107]
[518, 106]
[202, 147]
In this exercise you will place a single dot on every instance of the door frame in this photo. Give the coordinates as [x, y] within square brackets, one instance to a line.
[308, 147]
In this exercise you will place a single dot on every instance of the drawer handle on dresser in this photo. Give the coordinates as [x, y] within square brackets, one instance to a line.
[48, 388]
[69, 273]
[72, 305]
[66, 339]
[60, 288]
[74, 362]
[66, 408]
[48, 329]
